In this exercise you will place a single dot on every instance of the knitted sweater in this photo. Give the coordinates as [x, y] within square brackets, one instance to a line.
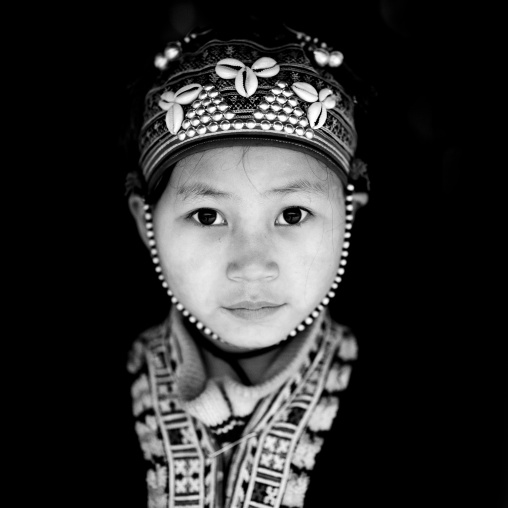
[214, 442]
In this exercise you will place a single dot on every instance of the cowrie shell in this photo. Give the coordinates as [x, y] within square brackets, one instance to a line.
[266, 67]
[174, 118]
[188, 94]
[316, 115]
[246, 82]
[228, 68]
[305, 91]
[167, 98]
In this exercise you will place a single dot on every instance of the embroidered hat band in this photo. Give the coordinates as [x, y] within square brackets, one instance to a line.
[244, 92]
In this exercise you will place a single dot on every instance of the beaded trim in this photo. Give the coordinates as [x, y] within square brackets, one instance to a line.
[306, 322]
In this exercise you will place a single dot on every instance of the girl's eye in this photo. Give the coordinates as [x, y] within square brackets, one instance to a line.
[208, 217]
[292, 216]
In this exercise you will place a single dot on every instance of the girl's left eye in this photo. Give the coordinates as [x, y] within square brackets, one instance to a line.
[208, 217]
[292, 216]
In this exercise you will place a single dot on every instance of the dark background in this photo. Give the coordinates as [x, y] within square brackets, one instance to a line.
[410, 291]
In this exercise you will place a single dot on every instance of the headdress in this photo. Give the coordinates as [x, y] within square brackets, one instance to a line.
[213, 90]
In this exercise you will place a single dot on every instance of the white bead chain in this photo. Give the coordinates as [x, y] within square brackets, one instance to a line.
[306, 322]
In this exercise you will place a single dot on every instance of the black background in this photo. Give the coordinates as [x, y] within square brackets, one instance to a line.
[410, 291]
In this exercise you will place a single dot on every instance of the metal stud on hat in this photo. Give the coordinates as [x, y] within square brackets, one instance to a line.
[306, 322]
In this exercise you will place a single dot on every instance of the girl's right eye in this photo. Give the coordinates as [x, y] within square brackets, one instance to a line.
[208, 217]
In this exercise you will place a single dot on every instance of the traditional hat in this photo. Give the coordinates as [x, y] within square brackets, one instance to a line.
[213, 90]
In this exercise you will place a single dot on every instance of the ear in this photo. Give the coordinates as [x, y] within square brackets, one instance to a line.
[359, 199]
[136, 204]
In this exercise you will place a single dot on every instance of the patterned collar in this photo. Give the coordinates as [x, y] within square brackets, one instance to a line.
[184, 419]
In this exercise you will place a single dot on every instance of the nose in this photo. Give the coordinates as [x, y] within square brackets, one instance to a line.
[252, 260]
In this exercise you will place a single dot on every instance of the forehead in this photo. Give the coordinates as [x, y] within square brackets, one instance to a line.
[261, 169]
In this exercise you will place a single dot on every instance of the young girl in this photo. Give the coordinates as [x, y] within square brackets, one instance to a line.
[245, 199]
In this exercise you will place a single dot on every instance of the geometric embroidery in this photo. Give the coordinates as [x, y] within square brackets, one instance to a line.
[270, 471]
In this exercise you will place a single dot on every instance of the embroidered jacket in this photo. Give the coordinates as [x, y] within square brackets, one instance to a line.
[184, 420]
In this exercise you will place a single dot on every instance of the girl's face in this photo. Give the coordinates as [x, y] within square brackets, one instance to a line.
[250, 240]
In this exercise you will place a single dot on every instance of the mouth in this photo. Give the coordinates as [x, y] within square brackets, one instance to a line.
[254, 310]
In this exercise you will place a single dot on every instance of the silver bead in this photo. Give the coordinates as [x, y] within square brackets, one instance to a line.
[343, 262]
[349, 217]
[199, 325]
[207, 331]
[155, 260]
[211, 108]
[225, 125]
[350, 187]
[185, 312]
[293, 119]
[169, 292]
[320, 307]
[281, 84]
[341, 271]
[349, 208]
[196, 104]
[298, 112]
[338, 279]
[265, 125]
[151, 242]
[213, 127]
[153, 252]
[201, 129]
[276, 107]
[191, 132]
[287, 109]
[300, 130]
[270, 115]
[217, 116]
[202, 95]
[335, 285]
[165, 284]
[292, 333]
[238, 124]
[347, 234]
[315, 313]
[282, 117]
[258, 115]
[309, 134]
[264, 106]
[349, 198]
[160, 276]
[206, 118]
[195, 121]
[174, 300]
[293, 102]
[282, 99]
[229, 115]
[208, 87]
[148, 216]
[222, 106]
[346, 245]
[186, 124]
[303, 122]
[149, 234]
[287, 93]
[192, 319]
[300, 328]
[309, 321]
[349, 225]
[191, 113]
[179, 306]
[278, 126]
[276, 90]
[201, 111]
[336, 59]
[158, 269]
[325, 300]
[289, 128]
[213, 93]
[206, 102]
[331, 294]
[270, 98]
[215, 336]
[250, 124]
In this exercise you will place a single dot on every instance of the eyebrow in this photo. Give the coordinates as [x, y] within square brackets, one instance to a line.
[198, 190]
